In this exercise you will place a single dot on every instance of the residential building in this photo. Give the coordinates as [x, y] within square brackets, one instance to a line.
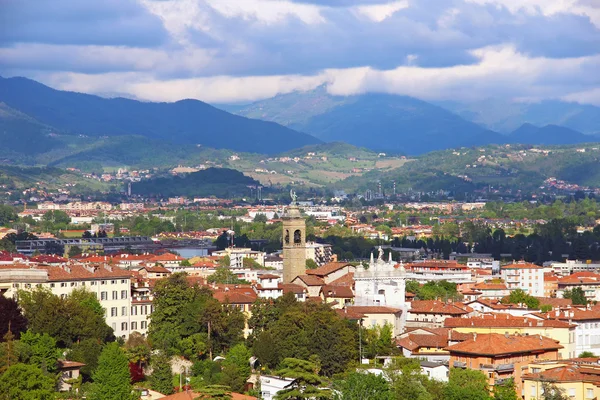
[373, 316]
[433, 313]
[429, 343]
[573, 266]
[525, 276]
[319, 253]
[271, 385]
[68, 372]
[502, 356]
[577, 379]
[438, 270]
[241, 297]
[550, 284]
[487, 306]
[491, 290]
[589, 282]
[561, 331]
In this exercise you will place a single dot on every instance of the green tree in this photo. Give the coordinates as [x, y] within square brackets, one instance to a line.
[7, 214]
[162, 375]
[12, 317]
[408, 381]
[224, 275]
[466, 384]
[506, 390]
[26, 382]
[39, 350]
[587, 354]
[111, 378]
[311, 264]
[74, 251]
[577, 295]
[236, 367]
[552, 392]
[86, 351]
[307, 383]
[362, 386]
[519, 296]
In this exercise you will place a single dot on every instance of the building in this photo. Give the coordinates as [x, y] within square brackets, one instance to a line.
[271, 385]
[577, 379]
[491, 290]
[561, 331]
[376, 316]
[524, 276]
[572, 266]
[381, 284]
[429, 343]
[589, 282]
[319, 253]
[294, 243]
[438, 270]
[111, 285]
[433, 313]
[68, 372]
[238, 254]
[502, 356]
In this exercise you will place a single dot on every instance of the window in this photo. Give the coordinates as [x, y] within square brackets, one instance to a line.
[123, 311]
[123, 281]
[103, 282]
[133, 310]
[144, 324]
[114, 326]
[103, 295]
[115, 295]
[93, 283]
[123, 326]
[52, 285]
[133, 326]
[123, 294]
[144, 310]
[113, 311]
[63, 284]
[571, 392]
[113, 282]
[590, 394]
[82, 283]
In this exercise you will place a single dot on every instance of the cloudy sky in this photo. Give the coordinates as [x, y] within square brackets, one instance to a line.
[243, 50]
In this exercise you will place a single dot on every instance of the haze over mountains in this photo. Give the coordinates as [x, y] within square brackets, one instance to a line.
[36, 119]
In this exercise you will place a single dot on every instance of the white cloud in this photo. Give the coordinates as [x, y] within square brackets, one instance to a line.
[268, 11]
[380, 12]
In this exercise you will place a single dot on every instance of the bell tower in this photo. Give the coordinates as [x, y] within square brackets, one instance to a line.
[294, 242]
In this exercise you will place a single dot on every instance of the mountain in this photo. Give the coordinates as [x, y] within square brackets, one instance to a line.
[505, 116]
[548, 135]
[32, 136]
[182, 122]
[381, 122]
[220, 182]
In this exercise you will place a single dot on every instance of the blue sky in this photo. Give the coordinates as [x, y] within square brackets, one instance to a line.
[244, 50]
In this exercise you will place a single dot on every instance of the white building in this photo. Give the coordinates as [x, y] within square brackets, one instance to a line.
[236, 256]
[525, 276]
[112, 287]
[271, 385]
[382, 284]
[573, 266]
[319, 253]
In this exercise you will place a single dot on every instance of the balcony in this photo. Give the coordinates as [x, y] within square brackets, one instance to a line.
[504, 367]
[459, 364]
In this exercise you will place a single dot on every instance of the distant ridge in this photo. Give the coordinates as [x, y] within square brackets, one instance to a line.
[183, 122]
[548, 135]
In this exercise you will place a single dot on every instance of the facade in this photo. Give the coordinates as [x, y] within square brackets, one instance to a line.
[579, 380]
[382, 284]
[438, 270]
[433, 313]
[271, 385]
[319, 253]
[589, 282]
[524, 276]
[294, 244]
[502, 356]
[573, 266]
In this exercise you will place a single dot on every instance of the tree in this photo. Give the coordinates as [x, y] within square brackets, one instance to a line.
[587, 354]
[111, 378]
[7, 214]
[552, 392]
[307, 382]
[56, 217]
[39, 350]
[162, 375]
[361, 386]
[236, 367]
[577, 295]
[26, 382]
[311, 264]
[74, 251]
[506, 390]
[408, 382]
[466, 384]
[86, 351]
[224, 275]
[519, 296]
[260, 218]
[12, 317]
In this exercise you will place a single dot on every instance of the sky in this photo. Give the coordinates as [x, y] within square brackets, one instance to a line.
[238, 51]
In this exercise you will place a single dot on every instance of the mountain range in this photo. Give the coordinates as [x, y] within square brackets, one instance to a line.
[35, 108]
[43, 126]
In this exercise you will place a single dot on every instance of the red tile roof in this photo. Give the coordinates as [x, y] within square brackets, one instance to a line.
[495, 344]
[76, 272]
[291, 287]
[333, 291]
[503, 320]
[236, 296]
[568, 373]
[328, 268]
[490, 286]
[373, 310]
[310, 280]
[438, 307]
[521, 266]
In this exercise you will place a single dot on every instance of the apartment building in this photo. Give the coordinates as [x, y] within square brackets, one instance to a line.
[111, 285]
[525, 276]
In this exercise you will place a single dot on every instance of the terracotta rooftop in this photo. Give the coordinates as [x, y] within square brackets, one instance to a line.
[504, 320]
[438, 307]
[337, 291]
[328, 268]
[76, 272]
[310, 280]
[291, 287]
[490, 286]
[567, 373]
[236, 296]
[344, 280]
[166, 257]
[374, 310]
[495, 344]
[521, 266]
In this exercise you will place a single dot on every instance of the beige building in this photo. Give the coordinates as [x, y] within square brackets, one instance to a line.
[294, 244]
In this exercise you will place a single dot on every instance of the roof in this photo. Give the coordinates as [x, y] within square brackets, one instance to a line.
[521, 266]
[310, 280]
[495, 344]
[437, 307]
[339, 291]
[236, 296]
[157, 269]
[504, 320]
[415, 341]
[490, 286]
[64, 364]
[496, 304]
[374, 310]
[291, 287]
[268, 276]
[344, 280]
[328, 268]
[166, 257]
[567, 373]
[77, 272]
[554, 301]
[574, 314]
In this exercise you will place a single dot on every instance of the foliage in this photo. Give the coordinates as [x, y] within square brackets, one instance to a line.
[552, 392]
[7, 214]
[194, 347]
[587, 354]
[442, 290]
[506, 390]
[86, 351]
[409, 383]
[378, 341]
[311, 264]
[577, 295]
[39, 350]
[111, 378]
[224, 275]
[362, 386]
[236, 367]
[466, 384]
[519, 296]
[162, 375]
[26, 382]
[307, 382]
[211, 392]
[12, 317]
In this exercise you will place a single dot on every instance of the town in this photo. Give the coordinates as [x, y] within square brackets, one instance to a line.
[207, 297]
